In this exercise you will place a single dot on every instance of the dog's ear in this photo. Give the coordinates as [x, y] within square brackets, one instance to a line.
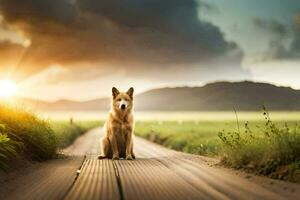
[115, 92]
[130, 92]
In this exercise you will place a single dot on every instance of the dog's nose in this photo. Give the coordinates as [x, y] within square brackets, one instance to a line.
[123, 106]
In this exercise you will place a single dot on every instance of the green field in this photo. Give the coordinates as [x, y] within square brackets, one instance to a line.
[264, 146]
[197, 132]
[66, 133]
[196, 137]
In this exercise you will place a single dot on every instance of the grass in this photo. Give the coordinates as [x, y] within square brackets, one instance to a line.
[198, 137]
[8, 149]
[66, 132]
[274, 151]
[36, 136]
[24, 135]
[262, 146]
[188, 136]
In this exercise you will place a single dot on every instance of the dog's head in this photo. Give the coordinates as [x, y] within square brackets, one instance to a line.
[122, 101]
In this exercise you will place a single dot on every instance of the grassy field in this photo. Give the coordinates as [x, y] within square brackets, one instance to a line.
[188, 136]
[66, 133]
[200, 137]
[263, 146]
[23, 136]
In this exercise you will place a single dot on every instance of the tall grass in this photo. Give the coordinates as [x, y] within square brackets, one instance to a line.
[24, 135]
[24, 127]
[274, 152]
[8, 148]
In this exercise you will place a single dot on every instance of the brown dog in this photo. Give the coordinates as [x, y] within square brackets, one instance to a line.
[118, 130]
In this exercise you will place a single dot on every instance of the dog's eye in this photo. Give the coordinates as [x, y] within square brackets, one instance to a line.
[126, 99]
[118, 99]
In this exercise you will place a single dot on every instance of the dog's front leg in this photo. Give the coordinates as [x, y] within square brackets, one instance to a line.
[129, 147]
[114, 147]
[104, 148]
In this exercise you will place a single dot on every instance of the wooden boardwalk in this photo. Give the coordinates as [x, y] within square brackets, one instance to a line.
[157, 173]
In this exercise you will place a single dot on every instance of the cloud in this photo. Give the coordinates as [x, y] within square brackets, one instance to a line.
[142, 36]
[273, 25]
[295, 46]
[279, 51]
[277, 48]
[278, 32]
[8, 54]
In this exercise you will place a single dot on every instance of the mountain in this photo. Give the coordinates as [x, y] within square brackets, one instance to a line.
[214, 96]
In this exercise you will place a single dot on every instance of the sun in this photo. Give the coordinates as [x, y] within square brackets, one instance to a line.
[8, 88]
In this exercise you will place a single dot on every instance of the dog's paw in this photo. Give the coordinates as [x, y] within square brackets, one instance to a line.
[100, 157]
[115, 158]
[129, 157]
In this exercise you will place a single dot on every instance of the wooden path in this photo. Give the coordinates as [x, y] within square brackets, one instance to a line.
[157, 173]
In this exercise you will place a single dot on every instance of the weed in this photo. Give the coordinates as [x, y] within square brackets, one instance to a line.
[265, 153]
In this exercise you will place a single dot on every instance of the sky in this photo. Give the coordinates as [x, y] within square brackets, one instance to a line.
[80, 49]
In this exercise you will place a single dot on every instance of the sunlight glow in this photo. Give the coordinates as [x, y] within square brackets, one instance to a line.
[7, 88]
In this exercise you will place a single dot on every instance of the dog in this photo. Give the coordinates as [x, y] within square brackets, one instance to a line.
[117, 141]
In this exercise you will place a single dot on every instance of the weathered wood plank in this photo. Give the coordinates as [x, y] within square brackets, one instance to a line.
[97, 180]
[148, 179]
[50, 181]
[210, 182]
[216, 183]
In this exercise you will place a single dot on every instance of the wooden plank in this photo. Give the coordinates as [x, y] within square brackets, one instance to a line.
[86, 144]
[146, 149]
[97, 180]
[50, 181]
[210, 182]
[148, 179]
[215, 182]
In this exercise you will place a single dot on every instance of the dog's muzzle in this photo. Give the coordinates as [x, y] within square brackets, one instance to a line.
[123, 106]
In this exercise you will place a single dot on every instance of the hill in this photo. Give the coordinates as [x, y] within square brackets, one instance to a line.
[214, 96]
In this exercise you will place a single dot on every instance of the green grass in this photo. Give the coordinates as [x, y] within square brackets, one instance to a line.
[199, 138]
[269, 149]
[189, 136]
[38, 139]
[8, 149]
[66, 132]
[24, 135]
[274, 150]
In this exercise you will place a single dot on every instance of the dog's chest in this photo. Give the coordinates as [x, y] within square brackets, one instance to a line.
[123, 129]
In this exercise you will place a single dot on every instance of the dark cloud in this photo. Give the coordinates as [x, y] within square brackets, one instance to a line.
[295, 47]
[135, 33]
[277, 48]
[273, 26]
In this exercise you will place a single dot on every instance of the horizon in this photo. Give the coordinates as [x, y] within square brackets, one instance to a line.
[157, 88]
[79, 50]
